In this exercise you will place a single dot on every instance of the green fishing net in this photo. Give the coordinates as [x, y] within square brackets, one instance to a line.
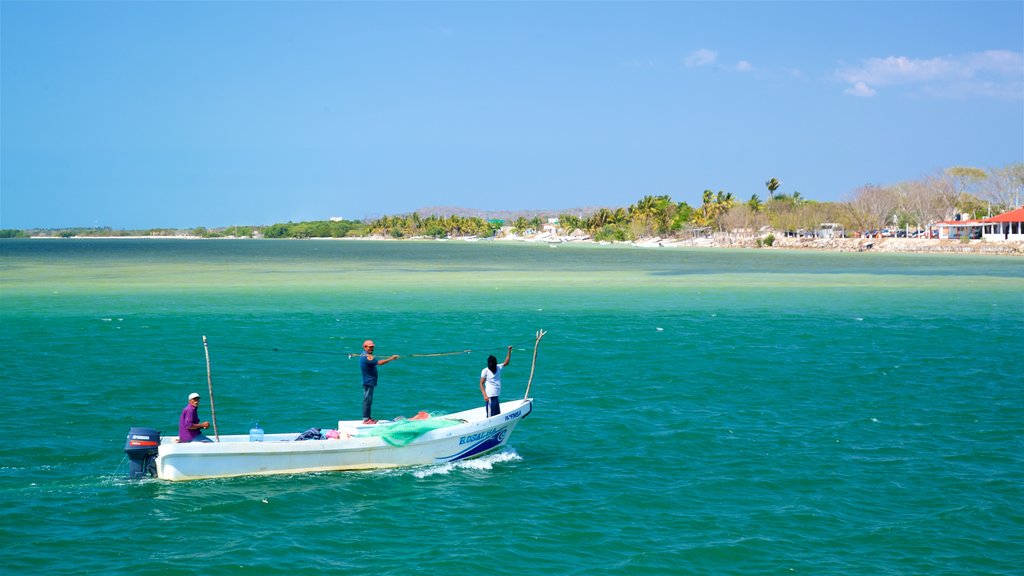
[405, 431]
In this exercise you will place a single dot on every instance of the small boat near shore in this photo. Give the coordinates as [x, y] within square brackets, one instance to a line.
[434, 440]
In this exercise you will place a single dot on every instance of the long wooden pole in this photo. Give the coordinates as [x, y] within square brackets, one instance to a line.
[540, 334]
[209, 384]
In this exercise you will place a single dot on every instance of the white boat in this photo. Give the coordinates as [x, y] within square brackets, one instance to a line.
[436, 440]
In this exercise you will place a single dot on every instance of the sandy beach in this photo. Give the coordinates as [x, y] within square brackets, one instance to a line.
[886, 245]
[931, 245]
[882, 245]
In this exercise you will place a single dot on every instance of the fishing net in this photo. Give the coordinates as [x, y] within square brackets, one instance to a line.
[405, 431]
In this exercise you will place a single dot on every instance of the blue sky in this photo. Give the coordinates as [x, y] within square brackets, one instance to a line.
[175, 114]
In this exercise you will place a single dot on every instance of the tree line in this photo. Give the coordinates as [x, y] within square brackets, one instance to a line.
[918, 203]
[958, 190]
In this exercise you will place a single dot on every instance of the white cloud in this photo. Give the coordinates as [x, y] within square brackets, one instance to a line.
[999, 61]
[994, 73]
[709, 57]
[860, 89]
[702, 57]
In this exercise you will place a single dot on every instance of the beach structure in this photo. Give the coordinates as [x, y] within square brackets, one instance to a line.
[551, 227]
[1008, 226]
[1004, 227]
[831, 230]
[578, 235]
[959, 228]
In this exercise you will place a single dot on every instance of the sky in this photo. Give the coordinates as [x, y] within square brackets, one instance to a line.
[140, 115]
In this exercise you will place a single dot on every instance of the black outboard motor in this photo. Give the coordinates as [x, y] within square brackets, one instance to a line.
[142, 447]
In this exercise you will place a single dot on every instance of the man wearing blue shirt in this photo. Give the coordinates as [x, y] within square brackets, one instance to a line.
[368, 365]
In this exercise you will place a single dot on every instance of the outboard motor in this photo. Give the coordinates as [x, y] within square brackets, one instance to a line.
[142, 447]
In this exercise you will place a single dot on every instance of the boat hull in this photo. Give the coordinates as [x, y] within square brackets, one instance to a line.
[282, 454]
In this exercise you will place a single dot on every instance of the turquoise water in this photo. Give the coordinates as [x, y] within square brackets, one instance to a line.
[697, 411]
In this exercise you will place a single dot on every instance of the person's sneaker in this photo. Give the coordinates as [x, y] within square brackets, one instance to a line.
[369, 421]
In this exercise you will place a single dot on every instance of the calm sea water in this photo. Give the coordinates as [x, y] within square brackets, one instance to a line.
[697, 411]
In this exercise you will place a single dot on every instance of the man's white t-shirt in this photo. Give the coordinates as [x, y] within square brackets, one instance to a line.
[492, 385]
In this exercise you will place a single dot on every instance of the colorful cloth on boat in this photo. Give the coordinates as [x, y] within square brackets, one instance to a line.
[405, 431]
[311, 434]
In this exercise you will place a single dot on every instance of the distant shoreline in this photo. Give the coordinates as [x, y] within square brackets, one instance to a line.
[880, 245]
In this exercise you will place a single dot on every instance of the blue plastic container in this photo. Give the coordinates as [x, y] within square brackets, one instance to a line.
[256, 433]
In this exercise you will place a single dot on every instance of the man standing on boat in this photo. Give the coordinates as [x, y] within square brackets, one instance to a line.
[368, 365]
[490, 383]
[190, 429]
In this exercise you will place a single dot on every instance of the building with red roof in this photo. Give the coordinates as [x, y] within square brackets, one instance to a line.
[1008, 226]
[957, 229]
[1004, 227]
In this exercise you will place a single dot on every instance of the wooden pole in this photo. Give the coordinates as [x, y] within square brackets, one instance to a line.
[209, 384]
[540, 334]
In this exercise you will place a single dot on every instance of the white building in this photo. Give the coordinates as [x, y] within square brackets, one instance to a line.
[1008, 226]
[1004, 227]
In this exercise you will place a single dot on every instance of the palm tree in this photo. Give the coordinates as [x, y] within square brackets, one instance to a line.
[644, 212]
[772, 185]
[600, 218]
[664, 213]
[725, 200]
[569, 222]
[705, 215]
[755, 204]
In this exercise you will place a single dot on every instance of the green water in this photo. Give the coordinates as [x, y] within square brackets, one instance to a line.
[697, 411]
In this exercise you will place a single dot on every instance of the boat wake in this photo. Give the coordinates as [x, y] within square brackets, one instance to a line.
[482, 463]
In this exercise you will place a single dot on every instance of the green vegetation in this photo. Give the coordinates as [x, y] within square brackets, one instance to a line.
[913, 204]
[316, 229]
[772, 186]
[413, 226]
